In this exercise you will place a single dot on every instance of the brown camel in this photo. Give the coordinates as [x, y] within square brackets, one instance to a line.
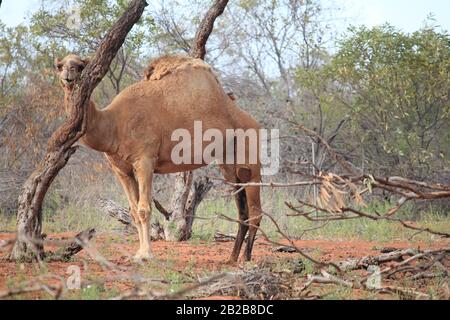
[134, 132]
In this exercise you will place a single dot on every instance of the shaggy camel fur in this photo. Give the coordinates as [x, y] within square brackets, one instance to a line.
[134, 132]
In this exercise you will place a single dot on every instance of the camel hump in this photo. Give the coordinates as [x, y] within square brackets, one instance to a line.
[163, 66]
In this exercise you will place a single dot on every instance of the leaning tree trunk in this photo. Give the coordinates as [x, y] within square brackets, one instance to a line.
[178, 227]
[29, 244]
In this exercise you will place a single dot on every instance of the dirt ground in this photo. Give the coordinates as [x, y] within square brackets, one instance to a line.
[194, 257]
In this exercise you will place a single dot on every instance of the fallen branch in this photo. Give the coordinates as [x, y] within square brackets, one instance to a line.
[123, 215]
[328, 278]
[397, 255]
[220, 237]
[284, 249]
[66, 253]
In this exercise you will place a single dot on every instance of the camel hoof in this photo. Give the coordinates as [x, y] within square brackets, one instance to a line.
[231, 262]
[142, 257]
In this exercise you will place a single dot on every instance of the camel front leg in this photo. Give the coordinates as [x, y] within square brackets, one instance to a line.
[130, 186]
[144, 175]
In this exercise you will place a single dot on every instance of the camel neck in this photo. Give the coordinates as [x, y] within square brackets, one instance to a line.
[100, 128]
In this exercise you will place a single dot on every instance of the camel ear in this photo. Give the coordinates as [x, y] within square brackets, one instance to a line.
[58, 64]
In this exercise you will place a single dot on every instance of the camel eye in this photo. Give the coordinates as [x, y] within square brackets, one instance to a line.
[59, 67]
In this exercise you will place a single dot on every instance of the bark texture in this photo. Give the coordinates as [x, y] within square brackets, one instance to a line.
[60, 147]
[178, 224]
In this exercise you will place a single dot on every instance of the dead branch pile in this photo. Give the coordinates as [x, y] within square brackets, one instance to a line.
[406, 264]
[393, 255]
[253, 284]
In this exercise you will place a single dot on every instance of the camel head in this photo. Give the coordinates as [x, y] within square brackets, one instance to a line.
[69, 69]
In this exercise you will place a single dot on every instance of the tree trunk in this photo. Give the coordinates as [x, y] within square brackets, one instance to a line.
[60, 146]
[179, 226]
[175, 225]
[201, 188]
[29, 244]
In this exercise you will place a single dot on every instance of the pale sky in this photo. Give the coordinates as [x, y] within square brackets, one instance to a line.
[405, 14]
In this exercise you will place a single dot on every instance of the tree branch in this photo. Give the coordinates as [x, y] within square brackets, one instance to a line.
[198, 50]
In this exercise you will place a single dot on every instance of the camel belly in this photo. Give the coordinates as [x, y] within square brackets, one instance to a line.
[119, 165]
[169, 167]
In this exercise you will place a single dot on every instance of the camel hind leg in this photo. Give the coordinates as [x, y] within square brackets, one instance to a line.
[248, 203]
[229, 173]
[247, 174]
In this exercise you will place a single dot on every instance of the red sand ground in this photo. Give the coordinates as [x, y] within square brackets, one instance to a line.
[199, 257]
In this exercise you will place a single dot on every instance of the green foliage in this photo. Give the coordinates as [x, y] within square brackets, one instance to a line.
[12, 46]
[395, 88]
[78, 27]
